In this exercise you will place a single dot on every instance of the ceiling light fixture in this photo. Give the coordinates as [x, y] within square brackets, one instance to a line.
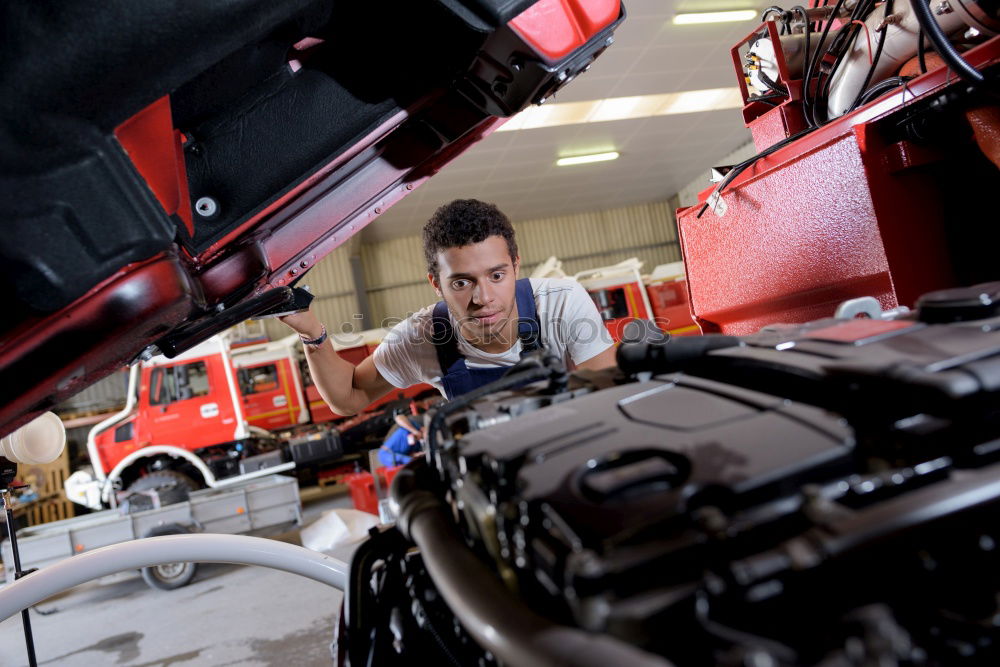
[692, 18]
[587, 159]
[625, 108]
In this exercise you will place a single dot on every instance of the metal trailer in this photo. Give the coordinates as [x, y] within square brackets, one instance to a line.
[251, 507]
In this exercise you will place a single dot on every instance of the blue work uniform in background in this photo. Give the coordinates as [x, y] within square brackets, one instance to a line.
[399, 446]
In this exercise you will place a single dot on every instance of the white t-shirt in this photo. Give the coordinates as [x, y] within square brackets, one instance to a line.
[571, 326]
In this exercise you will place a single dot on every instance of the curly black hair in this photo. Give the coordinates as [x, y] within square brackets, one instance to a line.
[461, 223]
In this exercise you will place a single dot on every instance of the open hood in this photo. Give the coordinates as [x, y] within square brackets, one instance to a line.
[168, 170]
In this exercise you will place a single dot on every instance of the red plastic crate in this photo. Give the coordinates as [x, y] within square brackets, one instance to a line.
[386, 476]
[362, 487]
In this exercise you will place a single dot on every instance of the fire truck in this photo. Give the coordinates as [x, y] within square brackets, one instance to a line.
[634, 305]
[222, 413]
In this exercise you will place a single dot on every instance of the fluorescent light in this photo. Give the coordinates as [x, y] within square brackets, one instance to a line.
[586, 159]
[715, 17]
[625, 108]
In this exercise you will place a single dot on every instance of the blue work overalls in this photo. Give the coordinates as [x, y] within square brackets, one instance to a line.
[459, 379]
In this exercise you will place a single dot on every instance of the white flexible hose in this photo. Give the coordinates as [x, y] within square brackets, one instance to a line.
[151, 551]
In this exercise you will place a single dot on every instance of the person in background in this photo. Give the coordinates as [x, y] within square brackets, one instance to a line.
[404, 439]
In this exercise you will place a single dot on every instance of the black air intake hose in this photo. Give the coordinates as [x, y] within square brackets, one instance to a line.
[942, 45]
[671, 355]
[498, 621]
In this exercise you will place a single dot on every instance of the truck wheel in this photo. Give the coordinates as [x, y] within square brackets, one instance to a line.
[163, 478]
[169, 576]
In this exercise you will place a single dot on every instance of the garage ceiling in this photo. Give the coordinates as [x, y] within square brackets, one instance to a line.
[659, 155]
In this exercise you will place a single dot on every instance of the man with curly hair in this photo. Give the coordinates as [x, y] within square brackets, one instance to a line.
[486, 321]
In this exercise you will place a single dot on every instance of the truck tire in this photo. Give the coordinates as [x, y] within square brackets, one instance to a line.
[168, 576]
[163, 478]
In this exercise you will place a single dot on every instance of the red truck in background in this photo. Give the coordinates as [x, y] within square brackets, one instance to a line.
[623, 295]
[221, 413]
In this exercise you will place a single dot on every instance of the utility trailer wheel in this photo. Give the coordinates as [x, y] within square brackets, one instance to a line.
[168, 576]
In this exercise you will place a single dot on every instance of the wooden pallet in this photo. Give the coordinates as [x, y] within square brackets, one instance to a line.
[47, 481]
[47, 511]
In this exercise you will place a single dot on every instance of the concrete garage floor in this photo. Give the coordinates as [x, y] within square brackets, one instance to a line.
[229, 615]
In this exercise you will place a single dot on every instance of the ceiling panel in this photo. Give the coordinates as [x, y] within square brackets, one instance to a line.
[659, 155]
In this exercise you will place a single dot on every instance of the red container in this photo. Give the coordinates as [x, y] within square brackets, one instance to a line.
[362, 486]
[386, 475]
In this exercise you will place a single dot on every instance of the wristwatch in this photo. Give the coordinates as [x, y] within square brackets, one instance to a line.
[314, 342]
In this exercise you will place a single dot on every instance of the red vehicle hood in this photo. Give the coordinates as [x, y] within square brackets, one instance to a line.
[168, 171]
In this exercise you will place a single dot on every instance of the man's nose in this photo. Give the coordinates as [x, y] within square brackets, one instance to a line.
[482, 294]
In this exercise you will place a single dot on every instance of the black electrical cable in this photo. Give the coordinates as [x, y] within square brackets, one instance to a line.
[921, 51]
[805, 55]
[739, 168]
[767, 99]
[887, 10]
[842, 40]
[771, 10]
[773, 85]
[883, 87]
[509, 381]
[813, 66]
[942, 45]
[784, 17]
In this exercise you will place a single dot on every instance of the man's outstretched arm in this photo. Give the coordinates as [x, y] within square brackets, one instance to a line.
[347, 389]
[605, 359]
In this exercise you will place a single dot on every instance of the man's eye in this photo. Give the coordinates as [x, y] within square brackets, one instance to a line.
[459, 284]
[498, 276]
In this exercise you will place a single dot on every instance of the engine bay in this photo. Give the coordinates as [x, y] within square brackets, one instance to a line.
[822, 493]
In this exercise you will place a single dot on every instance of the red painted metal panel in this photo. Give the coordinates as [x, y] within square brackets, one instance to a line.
[842, 212]
[154, 147]
[555, 27]
[797, 238]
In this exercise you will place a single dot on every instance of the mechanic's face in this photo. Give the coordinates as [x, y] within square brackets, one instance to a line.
[477, 282]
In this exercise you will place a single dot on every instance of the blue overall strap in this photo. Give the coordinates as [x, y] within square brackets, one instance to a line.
[443, 337]
[529, 329]
[456, 377]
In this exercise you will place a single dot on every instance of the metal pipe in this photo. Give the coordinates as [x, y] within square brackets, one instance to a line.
[29, 640]
[499, 622]
[152, 551]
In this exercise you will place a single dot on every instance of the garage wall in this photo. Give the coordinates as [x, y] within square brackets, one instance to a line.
[394, 270]
[395, 278]
[601, 238]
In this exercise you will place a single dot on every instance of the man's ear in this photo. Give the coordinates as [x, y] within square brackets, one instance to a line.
[517, 266]
[432, 279]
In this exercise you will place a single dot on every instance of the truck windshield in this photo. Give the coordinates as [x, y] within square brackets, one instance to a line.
[178, 383]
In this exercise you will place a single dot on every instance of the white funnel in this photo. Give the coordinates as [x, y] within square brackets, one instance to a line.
[39, 441]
